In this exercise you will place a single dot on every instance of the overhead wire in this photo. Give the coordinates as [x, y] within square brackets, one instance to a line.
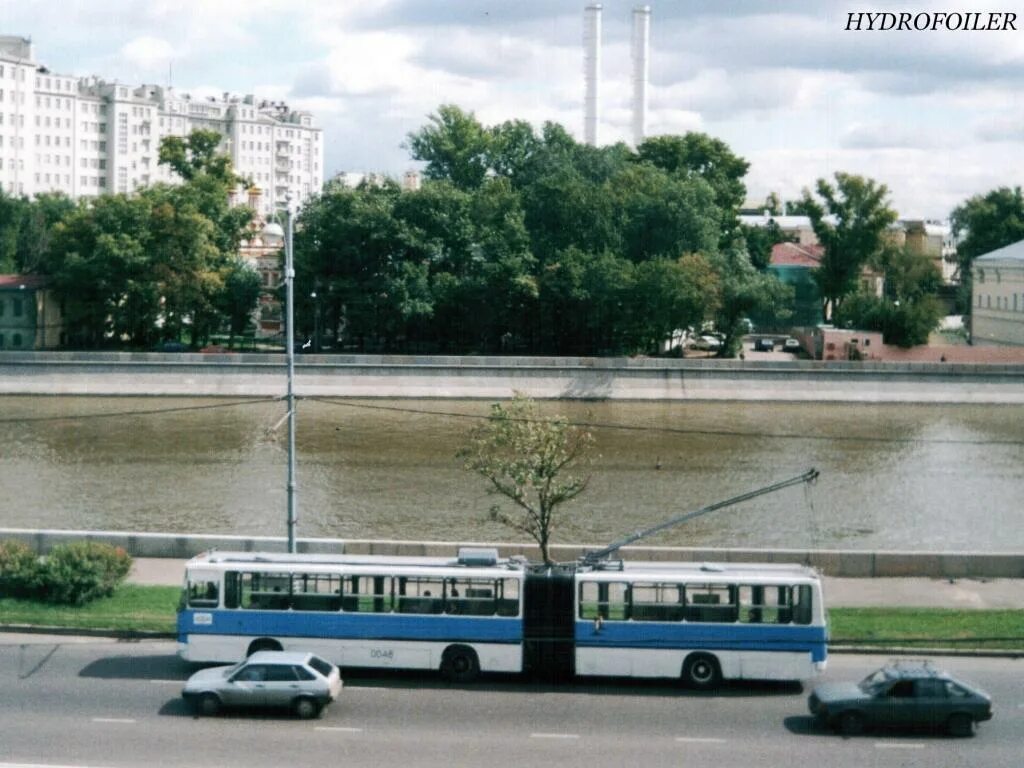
[698, 431]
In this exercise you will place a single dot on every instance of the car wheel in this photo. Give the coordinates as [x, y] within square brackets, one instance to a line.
[460, 664]
[209, 704]
[702, 672]
[306, 708]
[960, 724]
[851, 723]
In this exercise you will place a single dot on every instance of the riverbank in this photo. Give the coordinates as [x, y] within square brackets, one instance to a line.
[571, 378]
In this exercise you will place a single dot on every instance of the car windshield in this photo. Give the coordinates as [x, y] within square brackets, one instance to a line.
[874, 681]
[229, 671]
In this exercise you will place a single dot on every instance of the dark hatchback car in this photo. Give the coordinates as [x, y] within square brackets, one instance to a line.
[902, 695]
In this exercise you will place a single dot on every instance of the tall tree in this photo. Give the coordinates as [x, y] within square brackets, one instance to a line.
[849, 219]
[455, 147]
[908, 311]
[985, 223]
[697, 154]
[528, 458]
[743, 291]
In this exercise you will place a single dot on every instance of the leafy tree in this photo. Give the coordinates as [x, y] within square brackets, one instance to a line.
[196, 155]
[528, 459]
[744, 291]
[986, 223]
[351, 247]
[97, 263]
[759, 242]
[850, 220]
[512, 149]
[669, 295]
[700, 155]
[660, 215]
[455, 147]
[583, 299]
[908, 311]
[242, 286]
[25, 229]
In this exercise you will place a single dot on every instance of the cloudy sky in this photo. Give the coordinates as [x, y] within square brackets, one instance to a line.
[937, 116]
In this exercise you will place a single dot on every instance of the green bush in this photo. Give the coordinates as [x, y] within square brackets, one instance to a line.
[21, 570]
[77, 573]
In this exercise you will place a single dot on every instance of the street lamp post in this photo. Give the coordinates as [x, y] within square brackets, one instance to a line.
[316, 321]
[289, 280]
[274, 230]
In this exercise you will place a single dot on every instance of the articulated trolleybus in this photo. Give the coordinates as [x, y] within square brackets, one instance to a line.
[478, 612]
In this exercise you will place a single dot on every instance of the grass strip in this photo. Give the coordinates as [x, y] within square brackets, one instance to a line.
[152, 608]
[928, 628]
[131, 607]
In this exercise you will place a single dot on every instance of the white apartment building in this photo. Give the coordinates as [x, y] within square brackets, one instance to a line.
[86, 136]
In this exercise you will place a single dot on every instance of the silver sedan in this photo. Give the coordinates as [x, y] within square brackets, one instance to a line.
[303, 682]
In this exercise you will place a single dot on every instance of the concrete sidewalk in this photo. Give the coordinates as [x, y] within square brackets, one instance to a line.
[839, 592]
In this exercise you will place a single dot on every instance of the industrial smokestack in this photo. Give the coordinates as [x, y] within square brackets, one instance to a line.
[641, 42]
[591, 71]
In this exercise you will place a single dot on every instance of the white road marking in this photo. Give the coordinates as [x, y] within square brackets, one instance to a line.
[554, 735]
[167, 682]
[698, 740]
[896, 745]
[362, 688]
[113, 720]
[338, 729]
[39, 765]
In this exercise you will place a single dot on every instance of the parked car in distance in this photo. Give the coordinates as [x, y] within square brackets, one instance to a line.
[764, 345]
[299, 681]
[791, 345]
[902, 694]
[215, 349]
[706, 343]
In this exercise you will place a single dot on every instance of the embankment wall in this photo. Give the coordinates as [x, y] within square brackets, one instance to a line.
[844, 563]
[263, 375]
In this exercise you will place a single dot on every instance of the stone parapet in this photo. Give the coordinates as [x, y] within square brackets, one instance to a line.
[842, 563]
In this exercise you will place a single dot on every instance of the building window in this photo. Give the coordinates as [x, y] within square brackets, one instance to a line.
[16, 340]
[16, 308]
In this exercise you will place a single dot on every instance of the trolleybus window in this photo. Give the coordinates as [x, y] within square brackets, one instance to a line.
[710, 602]
[367, 594]
[316, 591]
[802, 604]
[482, 597]
[203, 594]
[760, 604]
[657, 602]
[610, 601]
[417, 595]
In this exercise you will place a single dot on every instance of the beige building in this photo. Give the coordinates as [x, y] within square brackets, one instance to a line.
[997, 297]
[30, 316]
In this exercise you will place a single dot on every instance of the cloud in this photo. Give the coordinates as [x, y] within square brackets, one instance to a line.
[881, 135]
[1001, 128]
[148, 52]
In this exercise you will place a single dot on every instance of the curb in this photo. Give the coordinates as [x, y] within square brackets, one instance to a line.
[863, 650]
[117, 634]
[874, 650]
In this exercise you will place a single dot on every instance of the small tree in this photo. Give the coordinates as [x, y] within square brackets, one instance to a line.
[527, 458]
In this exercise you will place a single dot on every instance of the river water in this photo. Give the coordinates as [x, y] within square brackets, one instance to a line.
[893, 477]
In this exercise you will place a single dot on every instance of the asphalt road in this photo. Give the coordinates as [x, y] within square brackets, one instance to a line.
[72, 703]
